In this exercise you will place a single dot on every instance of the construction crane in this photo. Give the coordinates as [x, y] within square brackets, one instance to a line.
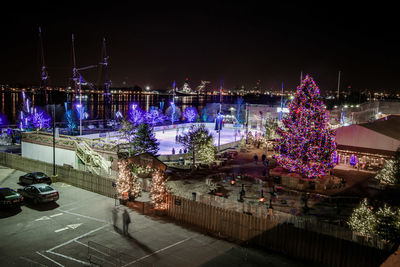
[107, 83]
[201, 86]
[43, 74]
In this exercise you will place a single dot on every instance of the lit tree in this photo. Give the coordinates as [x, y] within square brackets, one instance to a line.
[127, 180]
[239, 110]
[197, 141]
[207, 151]
[363, 220]
[71, 120]
[204, 115]
[40, 119]
[136, 188]
[136, 116]
[158, 190]
[387, 223]
[190, 114]
[155, 116]
[144, 140]
[307, 142]
[386, 174]
[390, 173]
[124, 181]
[271, 126]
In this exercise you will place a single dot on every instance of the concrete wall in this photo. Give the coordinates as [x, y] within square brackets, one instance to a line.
[45, 153]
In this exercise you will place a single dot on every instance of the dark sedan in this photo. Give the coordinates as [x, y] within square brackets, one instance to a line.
[39, 193]
[35, 178]
[9, 198]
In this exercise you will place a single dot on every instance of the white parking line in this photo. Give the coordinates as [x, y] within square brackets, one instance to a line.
[84, 216]
[61, 229]
[76, 238]
[69, 258]
[155, 252]
[59, 264]
[55, 215]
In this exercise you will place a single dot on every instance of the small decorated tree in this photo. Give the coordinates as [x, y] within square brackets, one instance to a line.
[363, 220]
[71, 119]
[307, 142]
[387, 224]
[155, 116]
[127, 183]
[207, 152]
[190, 114]
[136, 116]
[271, 126]
[124, 181]
[197, 141]
[136, 188]
[158, 190]
[387, 173]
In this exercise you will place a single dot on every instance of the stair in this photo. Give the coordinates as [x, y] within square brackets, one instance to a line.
[92, 160]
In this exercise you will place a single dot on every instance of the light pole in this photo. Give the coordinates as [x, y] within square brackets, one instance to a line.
[54, 139]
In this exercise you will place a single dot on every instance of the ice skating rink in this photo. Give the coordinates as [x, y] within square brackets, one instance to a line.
[167, 138]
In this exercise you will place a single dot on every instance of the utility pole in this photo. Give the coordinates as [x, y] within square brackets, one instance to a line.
[54, 139]
[220, 119]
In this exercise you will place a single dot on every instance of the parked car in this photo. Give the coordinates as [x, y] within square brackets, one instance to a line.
[39, 193]
[35, 178]
[9, 198]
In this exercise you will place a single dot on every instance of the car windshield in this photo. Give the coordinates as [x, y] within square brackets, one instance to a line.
[7, 192]
[39, 175]
[45, 189]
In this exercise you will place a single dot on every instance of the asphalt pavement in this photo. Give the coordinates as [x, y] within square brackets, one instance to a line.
[80, 229]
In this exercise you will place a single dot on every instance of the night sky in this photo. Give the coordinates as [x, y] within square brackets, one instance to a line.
[154, 44]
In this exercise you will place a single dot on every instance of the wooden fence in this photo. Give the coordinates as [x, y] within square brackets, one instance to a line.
[88, 181]
[271, 234]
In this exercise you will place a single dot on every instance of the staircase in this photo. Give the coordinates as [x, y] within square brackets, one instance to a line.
[94, 162]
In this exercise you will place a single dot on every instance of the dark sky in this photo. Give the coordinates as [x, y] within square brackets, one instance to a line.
[157, 42]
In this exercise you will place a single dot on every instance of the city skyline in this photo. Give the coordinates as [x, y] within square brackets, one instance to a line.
[153, 46]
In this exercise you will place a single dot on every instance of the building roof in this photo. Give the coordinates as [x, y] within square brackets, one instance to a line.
[389, 126]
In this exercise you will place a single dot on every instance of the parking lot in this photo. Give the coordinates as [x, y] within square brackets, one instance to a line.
[78, 229]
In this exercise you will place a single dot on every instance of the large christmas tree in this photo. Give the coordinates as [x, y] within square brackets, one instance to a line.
[307, 142]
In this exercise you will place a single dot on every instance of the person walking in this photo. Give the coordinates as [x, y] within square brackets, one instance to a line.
[173, 151]
[255, 159]
[126, 221]
[263, 158]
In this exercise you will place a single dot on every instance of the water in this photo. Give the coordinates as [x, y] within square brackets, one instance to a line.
[11, 103]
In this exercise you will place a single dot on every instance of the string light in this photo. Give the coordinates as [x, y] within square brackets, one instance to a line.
[158, 190]
[307, 142]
